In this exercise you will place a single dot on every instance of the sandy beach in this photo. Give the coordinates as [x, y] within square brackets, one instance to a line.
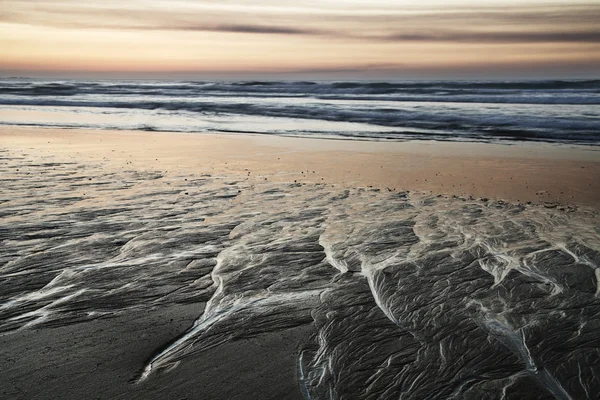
[148, 265]
[522, 172]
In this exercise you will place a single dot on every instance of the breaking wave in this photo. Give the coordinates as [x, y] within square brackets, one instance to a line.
[552, 111]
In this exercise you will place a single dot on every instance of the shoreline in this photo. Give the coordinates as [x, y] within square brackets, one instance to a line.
[199, 257]
[538, 173]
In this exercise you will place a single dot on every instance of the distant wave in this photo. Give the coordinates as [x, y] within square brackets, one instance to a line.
[556, 111]
[575, 92]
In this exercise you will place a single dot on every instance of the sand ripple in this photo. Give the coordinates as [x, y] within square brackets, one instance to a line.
[410, 296]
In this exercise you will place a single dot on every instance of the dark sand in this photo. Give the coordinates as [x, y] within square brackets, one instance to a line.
[101, 359]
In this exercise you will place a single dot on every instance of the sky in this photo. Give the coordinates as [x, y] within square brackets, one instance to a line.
[328, 39]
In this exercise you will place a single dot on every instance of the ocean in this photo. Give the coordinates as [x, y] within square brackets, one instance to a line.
[544, 111]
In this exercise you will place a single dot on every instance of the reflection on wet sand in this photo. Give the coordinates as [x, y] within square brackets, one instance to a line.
[409, 295]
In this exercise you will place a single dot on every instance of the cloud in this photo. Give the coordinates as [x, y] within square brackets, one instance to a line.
[260, 29]
[381, 21]
[497, 37]
[131, 19]
[369, 67]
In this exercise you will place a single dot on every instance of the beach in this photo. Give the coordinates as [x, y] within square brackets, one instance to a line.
[319, 200]
[179, 265]
[515, 172]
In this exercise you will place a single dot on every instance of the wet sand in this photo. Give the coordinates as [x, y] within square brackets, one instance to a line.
[99, 359]
[143, 265]
[527, 172]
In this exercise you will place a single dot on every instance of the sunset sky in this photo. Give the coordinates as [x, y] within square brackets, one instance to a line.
[297, 39]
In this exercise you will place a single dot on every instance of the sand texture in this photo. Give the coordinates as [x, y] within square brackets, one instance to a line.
[153, 266]
[523, 173]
